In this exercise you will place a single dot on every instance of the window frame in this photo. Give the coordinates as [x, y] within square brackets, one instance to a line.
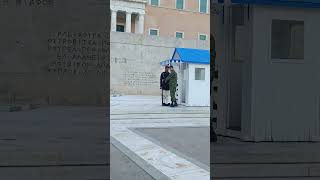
[121, 24]
[175, 34]
[287, 60]
[183, 6]
[202, 34]
[204, 75]
[159, 1]
[207, 7]
[150, 29]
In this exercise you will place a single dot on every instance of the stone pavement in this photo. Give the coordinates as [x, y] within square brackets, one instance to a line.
[131, 116]
[234, 159]
[183, 142]
[124, 168]
[54, 143]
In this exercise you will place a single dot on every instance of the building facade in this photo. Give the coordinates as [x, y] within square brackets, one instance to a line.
[188, 19]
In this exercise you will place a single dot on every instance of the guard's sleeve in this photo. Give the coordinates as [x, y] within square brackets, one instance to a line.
[168, 77]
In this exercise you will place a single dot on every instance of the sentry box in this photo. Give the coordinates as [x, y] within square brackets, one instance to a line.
[193, 69]
[269, 69]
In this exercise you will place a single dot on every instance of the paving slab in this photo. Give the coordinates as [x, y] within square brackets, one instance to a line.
[234, 159]
[55, 173]
[193, 142]
[161, 161]
[123, 168]
[230, 150]
[54, 136]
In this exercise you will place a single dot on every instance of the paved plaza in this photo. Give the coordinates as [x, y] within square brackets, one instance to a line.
[54, 143]
[154, 138]
[234, 159]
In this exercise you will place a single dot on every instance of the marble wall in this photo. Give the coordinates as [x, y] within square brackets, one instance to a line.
[135, 61]
[53, 52]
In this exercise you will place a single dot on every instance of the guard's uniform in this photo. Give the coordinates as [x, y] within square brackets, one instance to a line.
[172, 79]
[165, 87]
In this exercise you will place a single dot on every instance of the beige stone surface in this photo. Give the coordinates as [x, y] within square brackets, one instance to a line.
[135, 61]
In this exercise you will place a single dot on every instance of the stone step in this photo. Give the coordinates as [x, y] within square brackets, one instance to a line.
[163, 121]
[158, 116]
[17, 107]
[5, 108]
[249, 171]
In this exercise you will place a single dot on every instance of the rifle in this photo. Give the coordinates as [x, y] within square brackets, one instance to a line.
[161, 82]
[162, 95]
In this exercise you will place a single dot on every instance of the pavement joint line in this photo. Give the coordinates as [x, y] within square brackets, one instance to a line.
[162, 113]
[152, 171]
[267, 163]
[161, 118]
[54, 165]
[131, 121]
[269, 177]
[157, 159]
[194, 161]
[165, 161]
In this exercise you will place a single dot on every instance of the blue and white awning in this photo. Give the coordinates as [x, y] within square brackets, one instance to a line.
[188, 55]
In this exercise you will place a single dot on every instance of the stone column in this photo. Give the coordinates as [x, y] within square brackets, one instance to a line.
[128, 22]
[141, 23]
[113, 20]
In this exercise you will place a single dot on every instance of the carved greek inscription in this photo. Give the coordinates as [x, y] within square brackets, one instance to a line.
[34, 3]
[4, 3]
[138, 79]
[116, 60]
[79, 53]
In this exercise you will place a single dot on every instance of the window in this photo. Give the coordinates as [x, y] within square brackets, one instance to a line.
[203, 6]
[154, 2]
[199, 74]
[202, 37]
[180, 4]
[120, 28]
[179, 34]
[287, 39]
[154, 32]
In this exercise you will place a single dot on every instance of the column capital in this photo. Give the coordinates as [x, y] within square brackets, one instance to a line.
[113, 20]
[113, 9]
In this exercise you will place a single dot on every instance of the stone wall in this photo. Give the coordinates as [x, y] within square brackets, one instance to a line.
[54, 53]
[135, 68]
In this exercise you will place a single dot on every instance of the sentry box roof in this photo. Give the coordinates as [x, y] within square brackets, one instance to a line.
[188, 55]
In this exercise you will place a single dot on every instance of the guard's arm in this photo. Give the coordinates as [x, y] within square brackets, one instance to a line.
[168, 77]
[160, 81]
